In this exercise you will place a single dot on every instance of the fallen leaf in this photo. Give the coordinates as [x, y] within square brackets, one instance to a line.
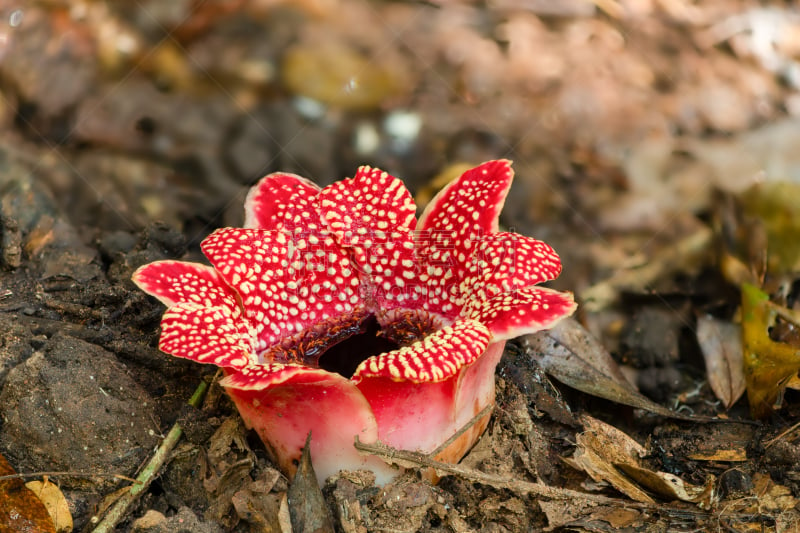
[671, 487]
[599, 448]
[448, 174]
[258, 505]
[721, 344]
[610, 455]
[574, 357]
[772, 496]
[768, 365]
[685, 255]
[20, 510]
[55, 503]
[585, 515]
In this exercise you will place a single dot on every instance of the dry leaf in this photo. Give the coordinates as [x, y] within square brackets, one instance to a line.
[55, 502]
[721, 344]
[670, 486]
[20, 510]
[588, 514]
[608, 454]
[574, 357]
[600, 448]
[768, 364]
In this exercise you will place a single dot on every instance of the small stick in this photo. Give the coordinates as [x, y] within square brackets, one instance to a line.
[149, 472]
[65, 473]
[483, 412]
[409, 459]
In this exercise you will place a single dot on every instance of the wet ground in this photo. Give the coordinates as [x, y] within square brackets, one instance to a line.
[130, 131]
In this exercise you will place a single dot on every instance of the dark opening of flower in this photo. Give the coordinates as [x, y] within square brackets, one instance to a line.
[336, 311]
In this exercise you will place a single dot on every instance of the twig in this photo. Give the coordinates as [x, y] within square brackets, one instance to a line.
[65, 473]
[409, 459]
[149, 472]
[770, 442]
[483, 412]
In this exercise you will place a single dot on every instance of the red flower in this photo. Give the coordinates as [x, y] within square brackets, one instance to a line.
[336, 312]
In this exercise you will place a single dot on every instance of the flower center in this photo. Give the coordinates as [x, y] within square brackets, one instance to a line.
[340, 344]
[345, 356]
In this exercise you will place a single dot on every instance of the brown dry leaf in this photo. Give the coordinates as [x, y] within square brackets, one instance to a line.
[670, 486]
[600, 448]
[258, 505]
[766, 498]
[55, 502]
[772, 497]
[608, 454]
[721, 344]
[730, 455]
[574, 357]
[20, 510]
[589, 516]
[768, 365]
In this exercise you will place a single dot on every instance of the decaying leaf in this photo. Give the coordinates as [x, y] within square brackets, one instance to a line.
[590, 515]
[768, 365]
[20, 509]
[258, 505]
[684, 255]
[721, 344]
[765, 497]
[55, 503]
[600, 448]
[574, 357]
[609, 455]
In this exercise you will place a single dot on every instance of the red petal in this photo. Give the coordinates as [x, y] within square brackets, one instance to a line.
[423, 416]
[286, 283]
[372, 200]
[176, 281]
[464, 212]
[504, 262]
[284, 408]
[263, 376]
[522, 311]
[470, 205]
[282, 201]
[373, 215]
[437, 357]
[213, 335]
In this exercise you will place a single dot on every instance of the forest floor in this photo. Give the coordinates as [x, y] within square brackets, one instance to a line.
[656, 146]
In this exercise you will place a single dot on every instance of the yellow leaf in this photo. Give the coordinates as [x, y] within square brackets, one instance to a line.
[768, 365]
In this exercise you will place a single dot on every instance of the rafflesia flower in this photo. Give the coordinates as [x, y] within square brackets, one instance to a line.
[335, 311]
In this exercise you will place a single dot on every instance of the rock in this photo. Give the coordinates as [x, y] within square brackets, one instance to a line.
[14, 344]
[76, 408]
[183, 522]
